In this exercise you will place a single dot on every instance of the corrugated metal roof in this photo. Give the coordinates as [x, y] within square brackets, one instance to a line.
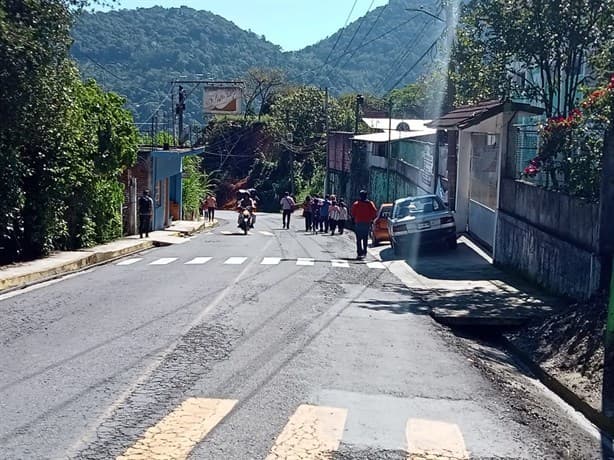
[470, 115]
[384, 123]
[394, 135]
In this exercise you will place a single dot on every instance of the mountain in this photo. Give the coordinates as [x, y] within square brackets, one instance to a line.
[137, 53]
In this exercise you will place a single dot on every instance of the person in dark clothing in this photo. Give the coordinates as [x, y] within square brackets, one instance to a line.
[307, 213]
[363, 212]
[146, 206]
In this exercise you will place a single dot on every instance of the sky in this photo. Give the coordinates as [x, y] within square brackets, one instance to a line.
[291, 24]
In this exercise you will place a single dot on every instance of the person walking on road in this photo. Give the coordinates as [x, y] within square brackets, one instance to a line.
[146, 206]
[287, 206]
[363, 212]
[211, 204]
[343, 216]
[307, 213]
[324, 214]
[334, 216]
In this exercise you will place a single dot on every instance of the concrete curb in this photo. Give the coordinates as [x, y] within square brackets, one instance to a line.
[90, 259]
[603, 422]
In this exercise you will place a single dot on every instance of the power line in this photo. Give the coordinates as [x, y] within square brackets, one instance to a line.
[338, 37]
[418, 61]
[397, 63]
[362, 20]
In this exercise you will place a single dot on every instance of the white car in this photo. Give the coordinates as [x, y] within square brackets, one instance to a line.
[418, 220]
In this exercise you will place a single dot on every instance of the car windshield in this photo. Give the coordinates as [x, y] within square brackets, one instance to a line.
[385, 212]
[417, 206]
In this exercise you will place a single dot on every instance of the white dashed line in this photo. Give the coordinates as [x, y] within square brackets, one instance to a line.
[270, 261]
[130, 261]
[198, 261]
[235, 260]
[340, 263]
[164, 261]
[304, 261]
[377, 265]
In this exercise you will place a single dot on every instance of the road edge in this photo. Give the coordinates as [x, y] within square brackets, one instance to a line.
[91, 259]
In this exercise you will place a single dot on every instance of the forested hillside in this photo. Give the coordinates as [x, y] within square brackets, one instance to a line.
[138, 52]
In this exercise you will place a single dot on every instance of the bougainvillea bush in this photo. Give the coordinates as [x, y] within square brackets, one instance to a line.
[571, 147]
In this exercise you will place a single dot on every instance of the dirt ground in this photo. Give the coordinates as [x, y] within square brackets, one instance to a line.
[569, 346]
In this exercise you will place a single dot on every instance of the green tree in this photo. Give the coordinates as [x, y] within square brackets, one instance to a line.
[542, 47]
[197, 184]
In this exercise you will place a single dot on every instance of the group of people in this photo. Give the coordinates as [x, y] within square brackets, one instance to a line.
[325, 214]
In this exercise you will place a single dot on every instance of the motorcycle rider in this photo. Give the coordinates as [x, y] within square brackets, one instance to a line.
[246, 202]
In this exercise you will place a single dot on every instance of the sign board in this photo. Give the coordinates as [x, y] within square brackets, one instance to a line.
[222, 100]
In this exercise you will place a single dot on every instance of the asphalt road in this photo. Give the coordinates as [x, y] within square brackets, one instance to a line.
[270, 345]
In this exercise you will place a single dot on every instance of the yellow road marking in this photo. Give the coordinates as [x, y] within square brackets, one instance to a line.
[175, 435]
[430, 439]
[311, 432]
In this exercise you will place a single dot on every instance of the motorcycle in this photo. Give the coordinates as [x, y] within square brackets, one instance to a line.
[245, 220]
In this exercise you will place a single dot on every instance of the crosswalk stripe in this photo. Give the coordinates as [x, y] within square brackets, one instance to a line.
[304, 261]
[377, 265]
[176, 434]
[270, 261]
[164, 261]
[198, 261]
[265, 233]
[434, 439]
[226, 232]
[311, 433]
[340, 263]
[235, 260]
[130, 261]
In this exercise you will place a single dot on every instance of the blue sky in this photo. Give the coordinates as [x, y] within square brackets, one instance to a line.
[292, 24]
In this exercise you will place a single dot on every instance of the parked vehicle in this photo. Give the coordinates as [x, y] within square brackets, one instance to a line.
[421, 220]
[379, 230]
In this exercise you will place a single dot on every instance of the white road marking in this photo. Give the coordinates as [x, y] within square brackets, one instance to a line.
[312, 432]
[340, 263]
[270, 261]
[164, 261]
[226, 232]
[377, 265]
[235, 260]
[198, 261]
[304, 261]
[130, 261]
[265, 233]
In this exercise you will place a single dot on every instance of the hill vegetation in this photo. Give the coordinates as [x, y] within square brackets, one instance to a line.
[136, 53]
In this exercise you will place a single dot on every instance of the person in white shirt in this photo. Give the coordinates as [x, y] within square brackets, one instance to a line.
[287, 207]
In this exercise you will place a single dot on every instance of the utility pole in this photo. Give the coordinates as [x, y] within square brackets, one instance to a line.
[359, 101]
[326, 178]
[389, 153]
[179, 109]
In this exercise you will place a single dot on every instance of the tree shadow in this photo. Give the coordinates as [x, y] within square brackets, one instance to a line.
[414, 307]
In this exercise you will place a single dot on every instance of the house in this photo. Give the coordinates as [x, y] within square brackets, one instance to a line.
[478, 147]
[397, 159]
[160, 171]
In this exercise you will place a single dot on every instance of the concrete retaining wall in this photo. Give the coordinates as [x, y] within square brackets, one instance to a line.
[553, 263]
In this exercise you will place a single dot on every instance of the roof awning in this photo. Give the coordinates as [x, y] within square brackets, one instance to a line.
[471, 115]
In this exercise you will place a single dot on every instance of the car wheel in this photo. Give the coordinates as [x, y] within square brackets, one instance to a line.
[452, 243]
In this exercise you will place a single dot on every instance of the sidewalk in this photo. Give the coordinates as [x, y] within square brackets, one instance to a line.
[61, 263]
[463, 288]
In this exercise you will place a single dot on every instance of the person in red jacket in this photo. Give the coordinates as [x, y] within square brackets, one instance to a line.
[364, 213]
